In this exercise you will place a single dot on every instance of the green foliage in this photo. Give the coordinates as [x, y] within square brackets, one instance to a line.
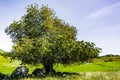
[111, 55]
[41, 37]
[108, 59]
[87, 51]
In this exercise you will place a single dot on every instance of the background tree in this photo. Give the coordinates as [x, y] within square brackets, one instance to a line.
[41, 37]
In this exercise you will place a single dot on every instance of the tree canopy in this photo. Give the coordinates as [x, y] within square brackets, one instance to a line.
[41, 37]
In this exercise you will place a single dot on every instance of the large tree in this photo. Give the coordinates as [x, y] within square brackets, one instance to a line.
[41, 37]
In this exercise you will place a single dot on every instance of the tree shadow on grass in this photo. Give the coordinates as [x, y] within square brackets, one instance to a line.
[63, 74]
[4, 76]
[56, 74]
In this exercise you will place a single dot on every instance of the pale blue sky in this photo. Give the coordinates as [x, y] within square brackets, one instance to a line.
[97, 21]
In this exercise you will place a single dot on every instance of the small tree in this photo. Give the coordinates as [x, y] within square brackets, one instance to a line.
[41, 37]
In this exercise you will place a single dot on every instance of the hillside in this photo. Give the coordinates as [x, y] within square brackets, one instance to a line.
[2, 51]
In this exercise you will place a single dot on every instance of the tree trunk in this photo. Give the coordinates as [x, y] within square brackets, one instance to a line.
[49, 69]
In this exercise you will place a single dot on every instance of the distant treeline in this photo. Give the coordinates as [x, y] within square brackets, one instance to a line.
[111, 55]
[109, 58]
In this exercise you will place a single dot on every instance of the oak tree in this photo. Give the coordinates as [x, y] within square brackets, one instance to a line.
[41, 37]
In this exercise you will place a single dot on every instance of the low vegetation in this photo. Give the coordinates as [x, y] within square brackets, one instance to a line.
[97, 70]
[83, 76]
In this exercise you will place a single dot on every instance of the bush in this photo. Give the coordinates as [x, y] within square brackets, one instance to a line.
[109, 60]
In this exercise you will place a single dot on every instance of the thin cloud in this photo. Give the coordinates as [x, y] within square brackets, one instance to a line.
[103, 12]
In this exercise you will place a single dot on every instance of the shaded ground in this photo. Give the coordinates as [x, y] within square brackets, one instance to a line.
[30, 76]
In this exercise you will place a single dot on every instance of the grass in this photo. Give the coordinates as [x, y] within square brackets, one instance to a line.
[98, 70]
[7, 67]
[90, 67]
[83, 76]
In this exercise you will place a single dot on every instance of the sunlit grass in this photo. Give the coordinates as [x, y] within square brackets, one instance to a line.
[90, 67]
[7, 67]
[87, 71]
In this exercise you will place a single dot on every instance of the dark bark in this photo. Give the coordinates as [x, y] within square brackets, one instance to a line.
[49, 69]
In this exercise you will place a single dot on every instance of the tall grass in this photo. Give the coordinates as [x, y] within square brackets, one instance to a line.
[83, 76]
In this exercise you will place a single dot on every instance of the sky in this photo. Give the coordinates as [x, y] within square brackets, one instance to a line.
[96, 21]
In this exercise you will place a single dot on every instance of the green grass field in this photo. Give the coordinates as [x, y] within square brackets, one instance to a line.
[90, 67]
[98, 70]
